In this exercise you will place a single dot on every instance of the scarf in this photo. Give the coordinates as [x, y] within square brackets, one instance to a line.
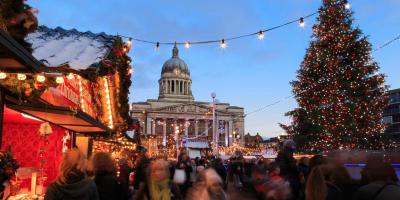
[159, 190]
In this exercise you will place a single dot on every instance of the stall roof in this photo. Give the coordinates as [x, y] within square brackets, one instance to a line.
[76, 121]
[14, 57]
[197, 143]
[80, 50]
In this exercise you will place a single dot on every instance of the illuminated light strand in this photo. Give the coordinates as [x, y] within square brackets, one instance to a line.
[108, 102]
[40, 78]
[185, 43]
[21, 77]
[390, 42]
[81, 93]
[397, 38]
[3, 75]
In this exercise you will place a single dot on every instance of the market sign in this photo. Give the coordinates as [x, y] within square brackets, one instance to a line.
[69, 94]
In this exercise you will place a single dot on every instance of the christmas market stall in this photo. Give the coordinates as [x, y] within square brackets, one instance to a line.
[196, 147]
[71, 89]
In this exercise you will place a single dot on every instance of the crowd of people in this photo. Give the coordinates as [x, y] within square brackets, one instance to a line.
[285, 178]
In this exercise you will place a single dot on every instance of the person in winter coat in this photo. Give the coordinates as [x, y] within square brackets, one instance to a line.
[382, 184]
[321, 184]
[277, 188]
[288, 167]
[141, 168]
[71, 182]
[208, 187]
[105, 177]
[220, 169]
[185, 165]
[158, 185]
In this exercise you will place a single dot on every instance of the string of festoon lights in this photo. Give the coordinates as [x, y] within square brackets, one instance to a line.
[39, 77]
[223, 42]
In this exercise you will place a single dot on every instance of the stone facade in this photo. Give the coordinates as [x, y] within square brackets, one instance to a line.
[175, 112]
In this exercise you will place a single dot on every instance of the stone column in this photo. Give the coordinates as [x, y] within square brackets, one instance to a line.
[168, 87]
[179, 87]
[164, 140]
[226, 133]
[148, 125]
[196, 128]
[230, 128]
[186, 127]
[176, 86]
[184, 87]
[210, 123]
[153, 126]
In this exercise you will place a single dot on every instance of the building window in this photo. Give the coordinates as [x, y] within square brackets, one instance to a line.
[387, 120]
[173, 86]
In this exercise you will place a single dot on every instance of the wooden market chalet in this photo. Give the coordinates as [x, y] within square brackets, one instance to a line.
[71, 90]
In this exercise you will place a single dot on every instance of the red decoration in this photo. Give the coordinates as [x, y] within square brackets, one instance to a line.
[340, 103]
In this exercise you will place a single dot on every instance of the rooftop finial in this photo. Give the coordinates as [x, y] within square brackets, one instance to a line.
[175, 51]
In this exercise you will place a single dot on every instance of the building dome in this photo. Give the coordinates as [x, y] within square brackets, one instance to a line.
[175, 64]
[175, 83]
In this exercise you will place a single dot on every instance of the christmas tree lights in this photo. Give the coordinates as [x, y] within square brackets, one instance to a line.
[339, 91]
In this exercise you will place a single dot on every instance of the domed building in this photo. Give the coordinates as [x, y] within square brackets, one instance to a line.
[176, 113]
[175, 83]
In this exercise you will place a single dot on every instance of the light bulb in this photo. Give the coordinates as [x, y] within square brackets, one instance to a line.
[70, 76]
[223, 44]
[3, 75]
[60, 79]
[157, 46]
[188, 45]
[40, 78]
[21, 77]
[347, 5]
[129, 43]
[261, 35]
[302, 23]
[130, 70]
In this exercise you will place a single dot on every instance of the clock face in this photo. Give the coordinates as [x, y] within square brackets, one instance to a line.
[176, 71]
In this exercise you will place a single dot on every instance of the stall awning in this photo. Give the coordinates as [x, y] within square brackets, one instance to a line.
[67, 118]
[14, 57]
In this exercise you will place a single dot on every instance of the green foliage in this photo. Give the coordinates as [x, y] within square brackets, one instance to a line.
[8, 165]
[19, 20]
[339, 89]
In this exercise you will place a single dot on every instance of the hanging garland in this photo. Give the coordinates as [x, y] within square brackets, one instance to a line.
[119, 62]
[29, 88]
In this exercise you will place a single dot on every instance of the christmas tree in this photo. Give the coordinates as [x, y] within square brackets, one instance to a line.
[339, 90]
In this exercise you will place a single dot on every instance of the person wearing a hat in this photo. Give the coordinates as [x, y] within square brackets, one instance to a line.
[288, 167]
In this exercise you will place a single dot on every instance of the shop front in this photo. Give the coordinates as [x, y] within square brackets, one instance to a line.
[47, 108]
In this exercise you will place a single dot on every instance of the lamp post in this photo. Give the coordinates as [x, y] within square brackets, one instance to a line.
[177, 141]
[215, 138]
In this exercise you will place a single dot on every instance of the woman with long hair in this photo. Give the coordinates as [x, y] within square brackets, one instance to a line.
[71, 182]
[208, 187]
[321, 184]
[105, 177]
[158, 185]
